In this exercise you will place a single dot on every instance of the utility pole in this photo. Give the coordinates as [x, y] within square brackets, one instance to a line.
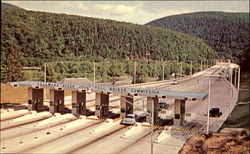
[163, 70]
[94, 73]
[45, 72]
[134, 72]
[231, 76]
[152, 118]
[181, 69]
[208, 106]
[238, 87]
[201, 65]
[235, 76]
[191, 69]
[152, 128]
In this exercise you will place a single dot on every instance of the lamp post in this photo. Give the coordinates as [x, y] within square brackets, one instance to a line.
[152, 120]
[208, 107]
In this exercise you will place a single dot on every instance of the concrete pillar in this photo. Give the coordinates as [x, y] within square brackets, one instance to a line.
[78, 102]
[155, 101]
[56, 100]
[101, 105]
[35, 99]
[126, 108]
[179, 111]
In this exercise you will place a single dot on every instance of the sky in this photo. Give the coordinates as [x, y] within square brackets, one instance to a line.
[137, 12]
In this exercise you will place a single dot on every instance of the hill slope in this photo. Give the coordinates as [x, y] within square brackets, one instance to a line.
[47, 35]
[227, 33]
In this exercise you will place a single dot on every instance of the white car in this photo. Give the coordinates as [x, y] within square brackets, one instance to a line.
[130, 119]
[174, 82]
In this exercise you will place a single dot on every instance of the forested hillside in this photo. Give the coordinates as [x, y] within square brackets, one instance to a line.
[227, 33]
[30, 38]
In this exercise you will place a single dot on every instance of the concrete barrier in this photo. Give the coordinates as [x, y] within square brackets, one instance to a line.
[31, 117]
[166, 133]
[75, 123]
[82, 117]
[11, 115]
[134, 130]
[3, 110]
[54, 120]
[109, 123]
[189, 117]
[10, 110]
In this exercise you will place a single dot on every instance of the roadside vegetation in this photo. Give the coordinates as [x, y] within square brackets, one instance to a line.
[112, 71]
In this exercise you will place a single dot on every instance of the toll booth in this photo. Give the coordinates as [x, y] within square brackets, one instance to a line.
[78, 102]
[179, 111]
[56, 100]
[126, 108]
[155, 101]
[102, 104]
[35, 99]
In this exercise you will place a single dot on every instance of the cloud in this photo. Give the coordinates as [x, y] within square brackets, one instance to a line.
[114, 9]
[139, 12]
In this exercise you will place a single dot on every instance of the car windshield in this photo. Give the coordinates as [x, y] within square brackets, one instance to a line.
[130, 116]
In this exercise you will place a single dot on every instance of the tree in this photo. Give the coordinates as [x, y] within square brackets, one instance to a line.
[11, 68]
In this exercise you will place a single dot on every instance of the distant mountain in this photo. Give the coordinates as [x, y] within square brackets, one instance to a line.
[42, 35]
[227, 33]
[6, 5]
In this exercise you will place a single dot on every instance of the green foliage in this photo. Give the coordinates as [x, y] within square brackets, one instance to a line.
[11, 63]
[239, 117]
[47, 37]
[227, 33]
[111, 70]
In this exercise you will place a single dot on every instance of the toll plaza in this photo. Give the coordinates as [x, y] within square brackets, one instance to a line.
[56, 91]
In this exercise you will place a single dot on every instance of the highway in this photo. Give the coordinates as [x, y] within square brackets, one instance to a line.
[92, 136]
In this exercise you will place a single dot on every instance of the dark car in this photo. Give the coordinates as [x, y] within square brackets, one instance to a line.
[215, 112]
[163, 105]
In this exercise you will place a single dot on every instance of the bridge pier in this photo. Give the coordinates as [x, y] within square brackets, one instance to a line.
[56, 100]
[179, 111]
[78, 102]
[155, 101]
[126, 108]
[35, 99]
[101, 105]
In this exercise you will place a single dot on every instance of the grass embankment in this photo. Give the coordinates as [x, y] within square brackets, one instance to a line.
[244, 87]
[13, 94]
[18, 95]
[240, 117]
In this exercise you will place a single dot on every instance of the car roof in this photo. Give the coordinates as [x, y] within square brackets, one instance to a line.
[162, 102]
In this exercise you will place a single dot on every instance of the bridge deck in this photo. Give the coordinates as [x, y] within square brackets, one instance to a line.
[112, 89]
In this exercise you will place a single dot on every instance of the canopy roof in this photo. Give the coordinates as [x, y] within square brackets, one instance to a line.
[111, 89]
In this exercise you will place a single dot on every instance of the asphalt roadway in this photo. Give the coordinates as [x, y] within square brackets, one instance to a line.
[90, 136]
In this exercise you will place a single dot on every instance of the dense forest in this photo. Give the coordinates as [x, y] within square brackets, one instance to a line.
[227, 33]
[30, 38]
[106, 71]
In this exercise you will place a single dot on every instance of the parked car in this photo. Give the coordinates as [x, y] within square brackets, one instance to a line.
[163, 105]
[131, 119]
[174, 82]
[215, 112]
